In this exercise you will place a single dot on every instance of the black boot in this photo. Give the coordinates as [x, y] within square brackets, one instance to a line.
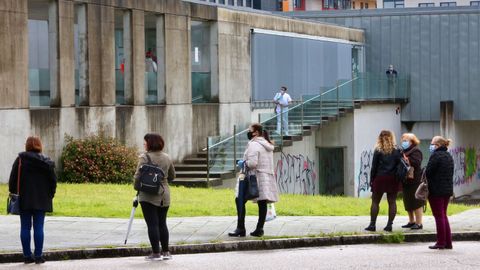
[371, 227]
[257, 233]
[237, 233]
[388, 228]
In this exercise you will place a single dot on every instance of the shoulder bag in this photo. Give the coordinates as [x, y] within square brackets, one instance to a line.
[13, 200]
[251, 186]
[422, 190]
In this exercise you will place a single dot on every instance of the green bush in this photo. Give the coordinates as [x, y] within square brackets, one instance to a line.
[97, 159]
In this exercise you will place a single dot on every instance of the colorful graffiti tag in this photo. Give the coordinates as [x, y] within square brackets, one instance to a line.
[467, 165]
[363, 184]
[295, 174]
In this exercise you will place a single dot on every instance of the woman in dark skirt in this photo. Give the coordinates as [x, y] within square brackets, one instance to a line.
[382, 178]
[413, 206]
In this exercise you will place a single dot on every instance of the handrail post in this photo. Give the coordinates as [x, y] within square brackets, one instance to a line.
[281, 125]
[208, 163]
[321, 108]
[301, 124]
[235, 146]
[338, 102]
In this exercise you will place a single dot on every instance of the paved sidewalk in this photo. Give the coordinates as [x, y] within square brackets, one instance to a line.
[68, 233]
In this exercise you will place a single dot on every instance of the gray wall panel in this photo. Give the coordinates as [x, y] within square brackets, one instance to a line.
[438, 48]
[303, 65]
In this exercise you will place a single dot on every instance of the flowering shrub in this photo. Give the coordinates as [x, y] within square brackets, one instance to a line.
[97, 159]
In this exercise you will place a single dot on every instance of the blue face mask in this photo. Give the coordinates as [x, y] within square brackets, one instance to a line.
[405, 144]
[432, 148]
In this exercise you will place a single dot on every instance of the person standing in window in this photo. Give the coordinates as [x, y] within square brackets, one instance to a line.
[38, 184]
[439, 173]
[282, 100]
[155, 206]
[413, 206]
[382, 178]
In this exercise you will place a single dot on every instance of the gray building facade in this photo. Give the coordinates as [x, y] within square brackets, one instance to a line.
[439, 48]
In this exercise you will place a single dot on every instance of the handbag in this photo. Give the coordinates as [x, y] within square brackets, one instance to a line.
[251, 187]
[13, 200]
[402, 170]
[271, 213]
[422, 191]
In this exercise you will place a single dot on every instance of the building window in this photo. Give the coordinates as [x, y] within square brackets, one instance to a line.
[248, 3]
[240, 3]
[426, 5]
[448, 4]
[231, 2]
[366, 5]
[475, 3]
[221, 2]
[201, 36]
[393, 4]
[212, 1]
[334, 4]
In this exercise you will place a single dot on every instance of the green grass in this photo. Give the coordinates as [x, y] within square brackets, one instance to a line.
[106, 200]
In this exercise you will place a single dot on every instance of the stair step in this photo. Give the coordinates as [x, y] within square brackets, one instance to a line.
[197, 182]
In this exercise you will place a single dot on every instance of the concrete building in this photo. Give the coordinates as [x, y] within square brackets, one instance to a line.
[438, 49]
[82, 66]
[421, 3]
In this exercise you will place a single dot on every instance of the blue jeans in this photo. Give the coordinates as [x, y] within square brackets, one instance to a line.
[282, 117]
[26, 218]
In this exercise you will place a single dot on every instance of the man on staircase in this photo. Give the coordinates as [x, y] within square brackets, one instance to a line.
[282, 100]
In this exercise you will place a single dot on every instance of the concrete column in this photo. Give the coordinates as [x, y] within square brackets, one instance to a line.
[82, 58]
[177, 60]
[66, 53]
[101, 54]
[160, 59]
[14, 54]
[446, 119]
[127, 51]
[214, 90]
[55, 99]
[138, 56]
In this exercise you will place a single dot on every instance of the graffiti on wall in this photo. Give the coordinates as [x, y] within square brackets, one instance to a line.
[295, 174]
[364, 174]
[467, 166]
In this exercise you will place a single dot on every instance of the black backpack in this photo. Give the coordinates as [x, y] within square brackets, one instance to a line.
[151, 177]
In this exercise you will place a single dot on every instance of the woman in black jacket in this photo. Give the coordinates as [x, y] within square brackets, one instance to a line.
[413, 206]
[37, 187]
[382, 178]
[439, 174]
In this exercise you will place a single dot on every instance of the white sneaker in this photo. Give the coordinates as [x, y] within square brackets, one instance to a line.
[154, 257]
[166, 255]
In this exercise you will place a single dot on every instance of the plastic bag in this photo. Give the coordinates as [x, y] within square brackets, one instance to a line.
[271, 213]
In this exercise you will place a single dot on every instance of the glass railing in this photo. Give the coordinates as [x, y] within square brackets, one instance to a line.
[151, 92]
[119, 87]
[222, 152]
[39, 86]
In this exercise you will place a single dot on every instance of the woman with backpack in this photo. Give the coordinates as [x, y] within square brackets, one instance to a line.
[382, 178]
[155, 205]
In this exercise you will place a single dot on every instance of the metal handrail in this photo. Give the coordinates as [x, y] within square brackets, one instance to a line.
[275, 116]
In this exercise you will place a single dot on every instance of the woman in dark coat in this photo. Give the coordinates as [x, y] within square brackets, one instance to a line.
[439, 174]
[413, 206]
[38, 184]
[382, 178]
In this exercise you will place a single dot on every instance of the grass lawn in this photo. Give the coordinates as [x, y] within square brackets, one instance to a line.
[101, 200]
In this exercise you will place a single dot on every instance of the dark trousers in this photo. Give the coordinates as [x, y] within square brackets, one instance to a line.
[156, 219]
[241, 212]
[439, 210]
[26, 218]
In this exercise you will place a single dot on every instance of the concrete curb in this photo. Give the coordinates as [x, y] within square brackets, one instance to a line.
[91, 253]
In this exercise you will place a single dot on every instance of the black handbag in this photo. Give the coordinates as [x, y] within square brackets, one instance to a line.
[13, 200]
[251, 189]
[402, 170]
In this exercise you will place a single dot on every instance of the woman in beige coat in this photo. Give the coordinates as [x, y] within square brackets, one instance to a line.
[258, 158]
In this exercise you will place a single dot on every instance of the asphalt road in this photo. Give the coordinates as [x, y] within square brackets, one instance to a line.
[465, 255]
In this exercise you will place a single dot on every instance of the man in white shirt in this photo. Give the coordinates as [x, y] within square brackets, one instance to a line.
[282, 100]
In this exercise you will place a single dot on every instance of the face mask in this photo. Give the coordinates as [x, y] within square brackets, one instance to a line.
[432, 148]
[405, 144]
[249, 135]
